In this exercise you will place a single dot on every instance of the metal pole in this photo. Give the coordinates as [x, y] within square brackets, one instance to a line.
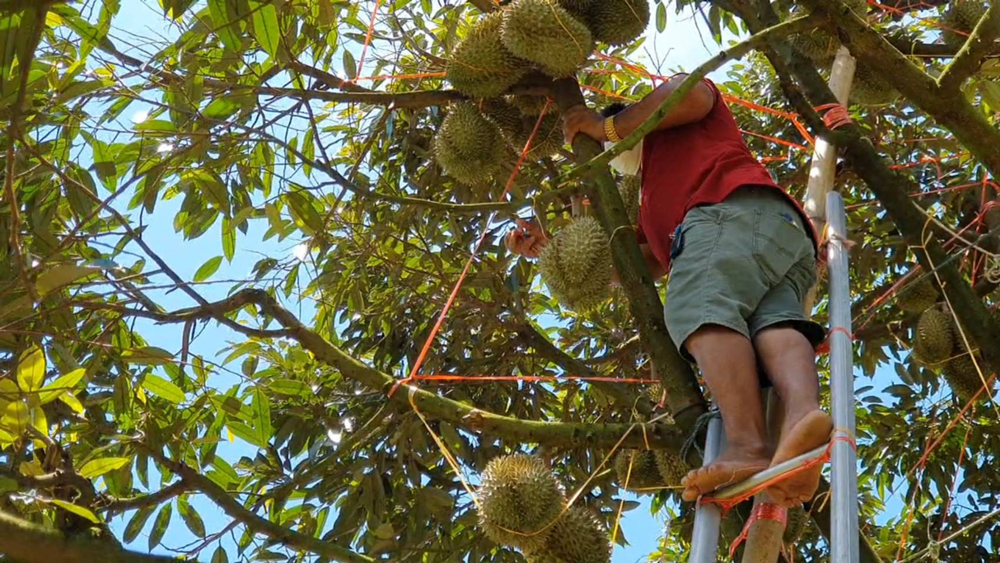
[844, 485]
[708, 517]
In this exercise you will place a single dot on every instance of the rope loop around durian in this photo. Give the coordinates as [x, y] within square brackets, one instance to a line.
[456, 467]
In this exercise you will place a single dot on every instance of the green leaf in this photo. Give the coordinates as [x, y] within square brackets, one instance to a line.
[190, 517]
[304, 211]
[16, 417]
[61, 385]
[76, 509]
[244, 432]
[137, 523]
[147, 355]
[100, 466]
[350, 66]
[261, 408]
[221, 108]
[288, 387]
[160, 526]
[661, 17]
[31, 369]
[156, 126]
[7, 485]
[163, 389]
[220, 556]
[207, 269]
[228, 239]
[265, 26]
[58, 276]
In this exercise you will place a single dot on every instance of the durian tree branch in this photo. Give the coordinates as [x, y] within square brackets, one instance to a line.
[950, 109]
[892, 189]
[758, 40]
[684, 398]
[27, 542]
[255, 523]
[400, 100]
[980, 43]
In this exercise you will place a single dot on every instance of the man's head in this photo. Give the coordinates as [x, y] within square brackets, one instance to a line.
[630, 161]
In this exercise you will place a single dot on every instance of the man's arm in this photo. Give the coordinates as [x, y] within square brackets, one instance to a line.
[693, 107]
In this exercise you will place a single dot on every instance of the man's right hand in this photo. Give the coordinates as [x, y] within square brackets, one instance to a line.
[527, 239]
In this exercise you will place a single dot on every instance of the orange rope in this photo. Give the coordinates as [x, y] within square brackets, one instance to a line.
[763, 511]
[916, 491]
[934, 23]
[472, 257]
[776, 140]
[368, 37]
[606, 93]
[954, 483]
[836, 115]
[532, 378]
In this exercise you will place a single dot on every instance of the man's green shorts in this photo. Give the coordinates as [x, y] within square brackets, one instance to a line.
[746, 264]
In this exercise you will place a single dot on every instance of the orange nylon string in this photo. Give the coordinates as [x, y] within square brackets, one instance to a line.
[954, 483]
[929, 21]
[916, 491]
[606, 93]
[531, 378]
[776, 140]
[763, 511]
[368, 37]
[472, 257]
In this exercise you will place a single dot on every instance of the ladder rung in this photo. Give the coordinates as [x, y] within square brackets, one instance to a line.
[770, 473]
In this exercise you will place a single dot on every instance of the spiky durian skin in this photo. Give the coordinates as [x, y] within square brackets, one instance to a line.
[629, 188]
[617, 22]
[507, 118]
[918, 296]
[519, 493]
[546, 142]
[545, 33]
[798, 518]
[644, 473]
[869, 88]
[654, 392]
[672, 467]
[480, 66]
[576, 265]
[962, 376]
[935, 338]
[531, 105]
[819, 44]
[577, 6]
[469, 147]
[961, 16]
[576, 538]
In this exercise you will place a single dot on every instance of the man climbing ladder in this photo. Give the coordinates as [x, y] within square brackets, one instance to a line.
[741, 255]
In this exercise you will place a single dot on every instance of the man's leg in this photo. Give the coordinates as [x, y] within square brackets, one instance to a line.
[789, 361]
[729, 366]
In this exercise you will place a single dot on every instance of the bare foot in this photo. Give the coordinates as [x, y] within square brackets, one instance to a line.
[809, 432]
[735, 465]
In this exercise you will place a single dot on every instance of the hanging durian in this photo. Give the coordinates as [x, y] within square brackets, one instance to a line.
[935, 339]
[917, 296]
[960, 19]
[644, 473]
[469, 147]
[507, 118]
[617, 22]
[962, 376]
[519, 493]
[480, 66]
[672, 467]
[543, 32]
[870, 88]
[796, 524]
[532, 105]
[576, 265]
[547, 141]
[819, 44]
[629, 187]
[576, 538]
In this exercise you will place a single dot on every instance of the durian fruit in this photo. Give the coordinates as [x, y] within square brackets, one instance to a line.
[870, 88]
[917, 296]
[629, 188]
[576, 265]
[654, 392]
[617, 22]
[507, 118]
[961, 15]
[480, 66]
[545, 33]
[576, 538]
[672, 467]
[531, 105]
[797, 521]
[547, 141]
[469, 146]
[820, 45]
[644, 473]
[577, 6]
[519, 493]
[962, 376]
[935, 339]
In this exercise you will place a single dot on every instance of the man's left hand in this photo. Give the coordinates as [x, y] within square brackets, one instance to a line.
[581, 119]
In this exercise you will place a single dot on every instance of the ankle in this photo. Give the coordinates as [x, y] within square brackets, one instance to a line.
[749, 446]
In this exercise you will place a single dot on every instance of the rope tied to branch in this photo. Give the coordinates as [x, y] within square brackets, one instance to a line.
[763, 511]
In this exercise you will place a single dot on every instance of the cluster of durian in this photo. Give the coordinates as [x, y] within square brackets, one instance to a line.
[959, 19]
[819, 44]
[522, 505]
[629, 187]
[576, 265]
[650, 469]
[870, 88]
[940, 345]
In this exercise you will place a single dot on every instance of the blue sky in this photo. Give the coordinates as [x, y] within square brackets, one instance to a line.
[679, 47]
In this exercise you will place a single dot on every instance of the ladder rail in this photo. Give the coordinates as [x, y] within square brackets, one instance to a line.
[708, 517]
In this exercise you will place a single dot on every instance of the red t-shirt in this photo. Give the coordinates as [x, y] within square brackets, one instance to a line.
[695, 164]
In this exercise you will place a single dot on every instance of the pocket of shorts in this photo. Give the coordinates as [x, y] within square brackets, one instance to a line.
[777, 244]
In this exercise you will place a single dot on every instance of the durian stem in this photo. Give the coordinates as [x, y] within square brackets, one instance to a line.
[684, 398]
[979, 44]
[649, 125]
[953, 111]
